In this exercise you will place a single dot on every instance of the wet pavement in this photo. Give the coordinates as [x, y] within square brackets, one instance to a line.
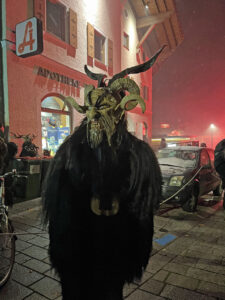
[187, 262]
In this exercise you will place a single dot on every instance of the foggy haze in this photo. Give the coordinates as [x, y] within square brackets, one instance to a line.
[189, 88]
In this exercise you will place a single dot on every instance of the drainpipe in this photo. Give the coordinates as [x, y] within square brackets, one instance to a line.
[4, 107]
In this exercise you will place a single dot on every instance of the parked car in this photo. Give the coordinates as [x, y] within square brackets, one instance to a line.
[178, 165]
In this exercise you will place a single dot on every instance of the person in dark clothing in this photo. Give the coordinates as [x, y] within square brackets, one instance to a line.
[1, 130]
[203, 145]
[10, 157]
[29, 149]
[3, 152]
[163, 143]
[220, 163]
[9, 165]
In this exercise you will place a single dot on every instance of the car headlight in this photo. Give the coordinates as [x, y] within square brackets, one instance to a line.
[176, 180]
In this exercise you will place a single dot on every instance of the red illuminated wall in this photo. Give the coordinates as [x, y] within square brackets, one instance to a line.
[27, 89]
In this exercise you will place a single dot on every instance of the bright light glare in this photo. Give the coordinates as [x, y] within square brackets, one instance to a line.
[212, 126]
[92, 6]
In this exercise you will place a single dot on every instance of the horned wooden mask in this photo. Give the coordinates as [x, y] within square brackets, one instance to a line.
[105, 105]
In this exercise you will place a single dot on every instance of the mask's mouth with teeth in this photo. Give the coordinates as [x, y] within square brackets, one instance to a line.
[95, 133]
[95, 125]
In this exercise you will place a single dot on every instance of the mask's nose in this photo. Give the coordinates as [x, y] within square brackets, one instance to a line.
[92, 113]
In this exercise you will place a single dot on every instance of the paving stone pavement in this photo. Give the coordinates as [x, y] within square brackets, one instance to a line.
[190, 266]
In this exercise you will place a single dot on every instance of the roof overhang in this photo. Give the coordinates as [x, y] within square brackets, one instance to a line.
[157, 25]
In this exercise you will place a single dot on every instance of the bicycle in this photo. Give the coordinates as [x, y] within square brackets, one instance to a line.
[7, 238]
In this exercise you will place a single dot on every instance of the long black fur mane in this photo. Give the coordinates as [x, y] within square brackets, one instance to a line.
[110, 247]
[72, 157]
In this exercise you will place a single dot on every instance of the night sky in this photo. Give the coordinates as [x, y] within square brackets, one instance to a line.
[189, 88]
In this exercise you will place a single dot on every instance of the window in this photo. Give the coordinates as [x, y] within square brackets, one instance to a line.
[100, 43]
[126, 40]
[99, 50]
[55, 122]
[56, 20]
[145, 92]
[180, 158]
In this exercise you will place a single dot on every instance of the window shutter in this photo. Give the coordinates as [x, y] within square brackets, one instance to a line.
[40, 11]
[110, 54]
[90, 40]
[73, 28]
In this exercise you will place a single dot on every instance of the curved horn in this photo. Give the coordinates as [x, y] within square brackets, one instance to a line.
[125, 84]
[87, 90]
[95, 76]
[74, 104]
[131, 101]
[137, 69]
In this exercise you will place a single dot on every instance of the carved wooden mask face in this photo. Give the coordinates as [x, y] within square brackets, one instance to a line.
[105, 106]
[103, 115]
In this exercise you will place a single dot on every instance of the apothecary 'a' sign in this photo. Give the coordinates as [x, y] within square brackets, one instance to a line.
[29, 37]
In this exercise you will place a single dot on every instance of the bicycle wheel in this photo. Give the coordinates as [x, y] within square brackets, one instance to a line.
[7, 254]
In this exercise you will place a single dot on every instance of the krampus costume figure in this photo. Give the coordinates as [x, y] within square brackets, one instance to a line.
[100, 194]
[29, 149]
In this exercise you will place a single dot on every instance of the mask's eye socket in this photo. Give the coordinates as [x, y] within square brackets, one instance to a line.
[104, 106]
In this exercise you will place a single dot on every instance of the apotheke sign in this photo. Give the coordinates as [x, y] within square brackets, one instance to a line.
[58, 77]
[29, 37]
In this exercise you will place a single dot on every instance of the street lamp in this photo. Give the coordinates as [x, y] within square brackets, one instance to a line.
[212, 128]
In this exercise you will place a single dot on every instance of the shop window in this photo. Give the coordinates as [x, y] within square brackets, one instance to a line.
[100, 43]
[145, 92]
[55, 122]
[126, 40]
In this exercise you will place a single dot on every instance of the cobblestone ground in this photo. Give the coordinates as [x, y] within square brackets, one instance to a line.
[187, 262]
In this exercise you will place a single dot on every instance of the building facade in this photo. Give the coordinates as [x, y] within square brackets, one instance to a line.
[99, 33]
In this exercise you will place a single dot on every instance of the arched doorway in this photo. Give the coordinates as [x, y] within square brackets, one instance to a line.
[55, 123]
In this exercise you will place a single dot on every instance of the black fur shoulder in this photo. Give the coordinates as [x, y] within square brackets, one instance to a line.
[145, 179]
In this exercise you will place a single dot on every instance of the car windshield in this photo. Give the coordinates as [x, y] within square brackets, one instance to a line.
[177, 157]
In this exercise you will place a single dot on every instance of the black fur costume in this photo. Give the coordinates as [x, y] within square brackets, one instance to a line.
[93, 253]
[96, 255]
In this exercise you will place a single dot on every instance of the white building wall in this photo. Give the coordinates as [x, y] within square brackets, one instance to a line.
[128, 25]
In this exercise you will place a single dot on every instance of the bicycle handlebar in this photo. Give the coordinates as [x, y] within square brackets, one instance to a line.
[13, 173]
